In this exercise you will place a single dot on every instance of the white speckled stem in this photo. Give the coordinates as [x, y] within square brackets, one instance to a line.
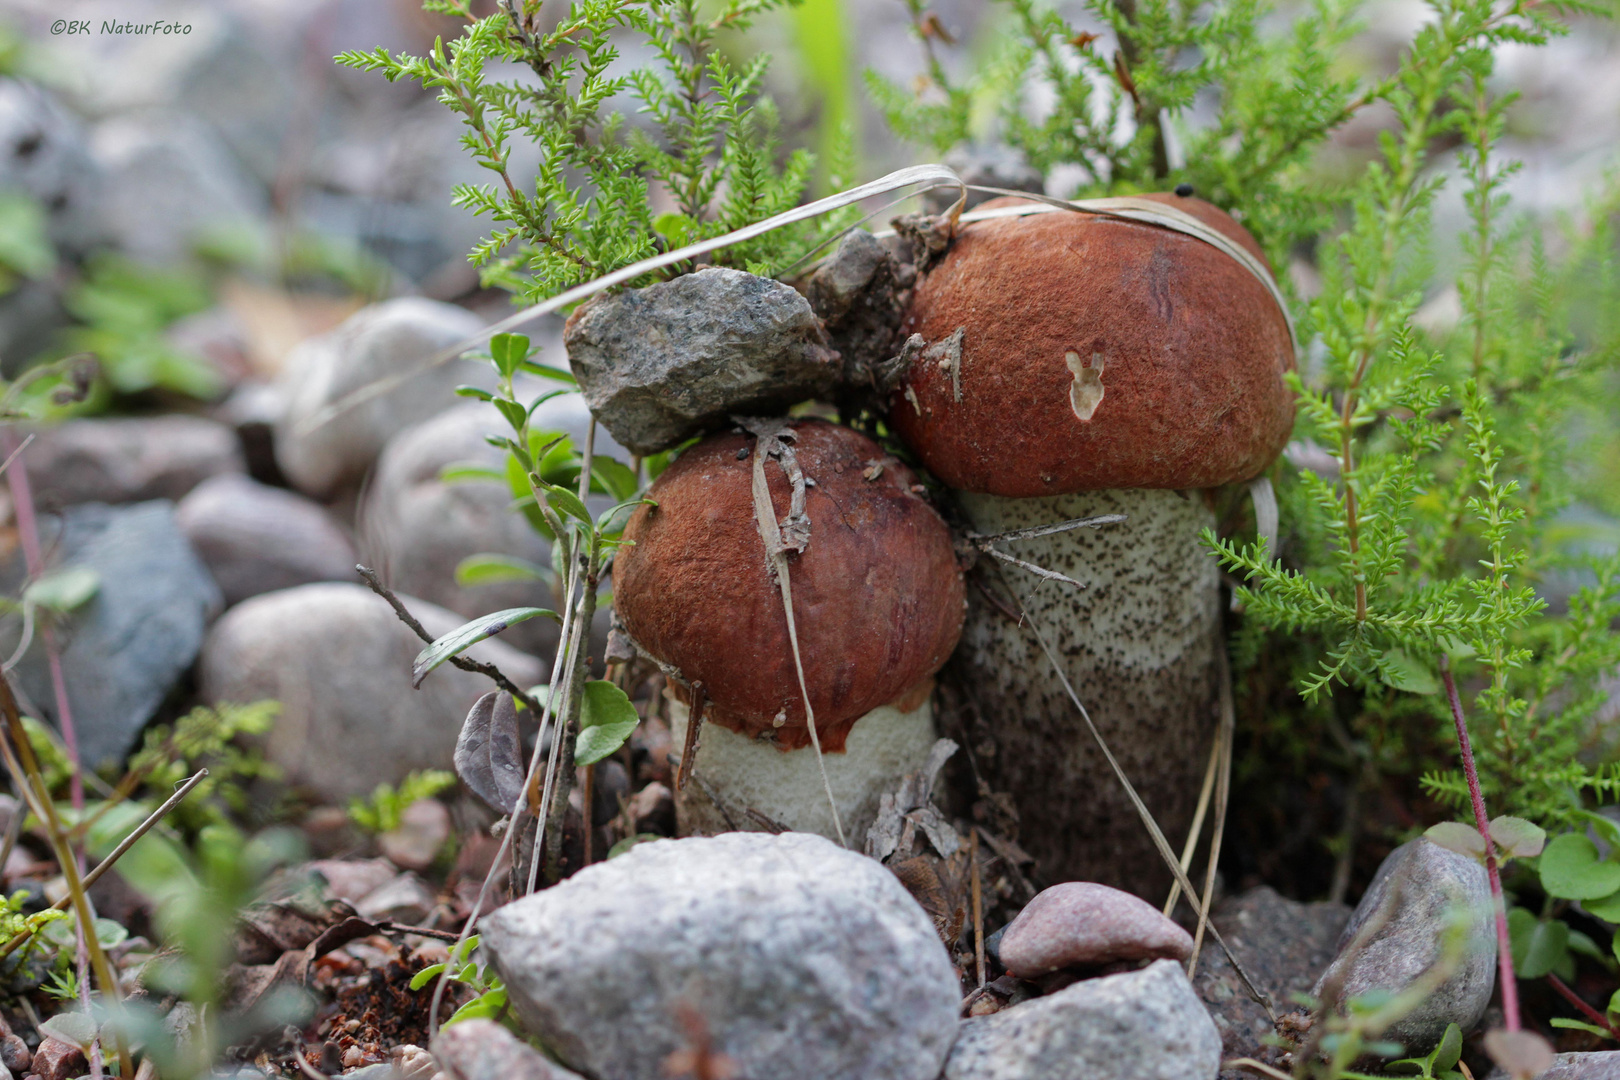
[1138, 643]
[883, 746]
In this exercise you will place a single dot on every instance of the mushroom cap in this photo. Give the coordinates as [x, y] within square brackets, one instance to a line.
[877, 594]
[1096, 353]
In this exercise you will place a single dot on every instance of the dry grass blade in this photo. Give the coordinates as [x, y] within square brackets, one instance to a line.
[770, 532]
[1223, 791]
[1197, 827]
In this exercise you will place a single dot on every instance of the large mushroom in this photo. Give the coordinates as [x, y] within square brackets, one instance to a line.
[878, 606]
[1080, 364]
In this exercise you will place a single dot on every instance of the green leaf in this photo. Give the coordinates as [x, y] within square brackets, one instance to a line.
[426, 975]
[490, 569]
[564, 501]
[469, 634]
[606, 719]
[1517, 838]
[1455, 836]
[1580, 1025]
[485, 1006]
[508, 351]
[1583, 944]
[1606, 908]
[1449, 1052]
[516, 415]
[460, 471]
[1571, 870]
[474, 392]
[545, 372]
[646, 838]
[25, 241]
[1403, 672]
[1538, 947]
[1614, 1003]
[613, 478]
[63, 590]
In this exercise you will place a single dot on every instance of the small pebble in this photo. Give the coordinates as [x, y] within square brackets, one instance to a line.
[1083, 924]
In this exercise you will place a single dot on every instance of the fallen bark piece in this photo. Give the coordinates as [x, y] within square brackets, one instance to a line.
[662, 363]
[484, 1050]
[787, 955]
[1083, 924]
[1140, 1025]
[1418, 890]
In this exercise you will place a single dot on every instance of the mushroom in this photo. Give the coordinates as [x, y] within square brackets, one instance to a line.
[878, 606]
[1074, 365]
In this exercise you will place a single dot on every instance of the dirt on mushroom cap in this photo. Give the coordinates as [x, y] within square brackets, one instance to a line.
[878, 596]
[1172, 351]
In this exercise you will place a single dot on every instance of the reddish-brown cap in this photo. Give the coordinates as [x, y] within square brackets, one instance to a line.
[1095, 353]
[877, 594]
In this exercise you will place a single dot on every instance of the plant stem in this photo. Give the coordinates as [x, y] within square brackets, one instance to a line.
[1504, 945]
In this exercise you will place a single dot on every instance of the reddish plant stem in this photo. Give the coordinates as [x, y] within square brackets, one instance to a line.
[1586, 1010]
[1504, 944]
[22, 498]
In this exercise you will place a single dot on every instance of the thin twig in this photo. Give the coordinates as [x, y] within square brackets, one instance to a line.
[490, 671]
[1586, 1010]
[1504, 946]
[980, 539]
[978, 909]
[1038, 571]
[689, 748]
[117, 853]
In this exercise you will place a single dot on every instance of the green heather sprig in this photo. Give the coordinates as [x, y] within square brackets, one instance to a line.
[703, 135]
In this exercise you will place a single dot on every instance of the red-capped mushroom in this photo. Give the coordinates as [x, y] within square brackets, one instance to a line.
[878, 606]
[1079, 364]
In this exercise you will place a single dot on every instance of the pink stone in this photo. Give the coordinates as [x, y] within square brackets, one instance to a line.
[1083, 924]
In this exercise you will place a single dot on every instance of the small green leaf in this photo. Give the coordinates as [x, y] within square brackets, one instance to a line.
[63, 590]
[516, 415]
[1570, 869]
[474, 392]
[469, 634]
[1580, 1025]
[1581, 943]
[613, 478]
[1446, 1055]
[646, 838]
[490, 569]
[549, 372]
[1403, 672]
[508, 351]
[426, 975]
[1517, 838]
[564, 501]
[606, 719]
[1455, 836]
[1606, 908]
[485, 1006]
[461, 471]
[1614, 1003]
[1538, 947]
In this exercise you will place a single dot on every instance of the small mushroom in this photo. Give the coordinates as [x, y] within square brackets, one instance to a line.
[878, 606]
[1104, 366]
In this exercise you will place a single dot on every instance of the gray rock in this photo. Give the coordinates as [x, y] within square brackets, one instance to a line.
[389, 339]
[992, 165]
[800, 960]
[129, 460]
[485, 1050]
[170, 182]
[123, 650]
[415, 528]
[661, 363]
[256, 539]
[1141, 1025]
[1283, 945]
[43, 154]
[1602, 1065]
[1083, 924]
[1413, 897]
[339, 661]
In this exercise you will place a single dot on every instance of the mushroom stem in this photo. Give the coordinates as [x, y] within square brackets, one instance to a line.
[787, 788]
[1139, 643]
